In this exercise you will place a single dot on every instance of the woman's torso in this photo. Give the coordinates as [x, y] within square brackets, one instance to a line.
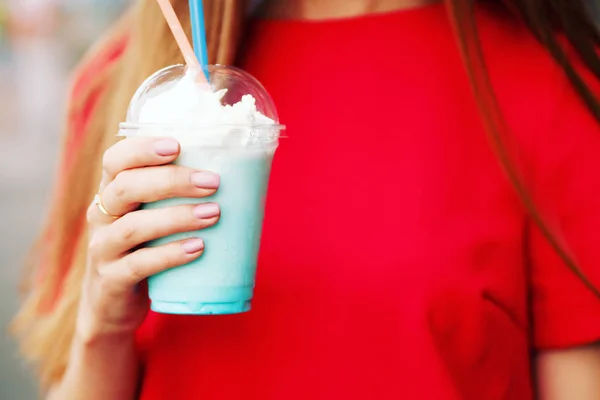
[392, 263]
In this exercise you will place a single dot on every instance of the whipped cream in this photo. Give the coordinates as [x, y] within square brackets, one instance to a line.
[197, 114]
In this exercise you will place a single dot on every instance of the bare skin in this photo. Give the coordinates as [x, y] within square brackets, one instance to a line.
[570, 374]
[103, 363]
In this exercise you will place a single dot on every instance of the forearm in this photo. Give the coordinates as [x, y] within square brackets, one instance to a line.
[572, 374]
[99, 369]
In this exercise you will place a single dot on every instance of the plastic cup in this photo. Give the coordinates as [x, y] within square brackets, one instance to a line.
[222, 280]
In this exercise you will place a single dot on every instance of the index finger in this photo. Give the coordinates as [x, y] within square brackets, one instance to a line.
[137, 152]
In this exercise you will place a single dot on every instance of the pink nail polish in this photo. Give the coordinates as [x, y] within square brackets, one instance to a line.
[206, 180]
[207, 211]
[193, 246]
[166, 147]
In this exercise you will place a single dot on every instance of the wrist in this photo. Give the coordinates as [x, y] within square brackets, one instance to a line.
[101, 366]
[102, 338]
[103, 351]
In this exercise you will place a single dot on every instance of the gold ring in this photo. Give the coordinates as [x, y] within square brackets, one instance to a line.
[98, 203]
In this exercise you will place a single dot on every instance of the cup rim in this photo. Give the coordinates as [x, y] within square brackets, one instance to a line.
[171, 126]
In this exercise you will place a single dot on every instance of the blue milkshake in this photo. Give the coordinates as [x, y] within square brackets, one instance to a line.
[233, 133]
[222, 280]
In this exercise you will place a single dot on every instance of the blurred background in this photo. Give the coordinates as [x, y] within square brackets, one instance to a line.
[40, 41]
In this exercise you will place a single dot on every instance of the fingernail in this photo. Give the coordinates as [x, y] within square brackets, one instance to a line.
[166, 147]
[193, 246]
[206, 180]
[206, 211]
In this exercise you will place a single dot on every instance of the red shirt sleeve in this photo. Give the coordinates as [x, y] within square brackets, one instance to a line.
[565, 312]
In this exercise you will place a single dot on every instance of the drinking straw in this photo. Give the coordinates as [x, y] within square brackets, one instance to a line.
[199, 33]
[180, 37]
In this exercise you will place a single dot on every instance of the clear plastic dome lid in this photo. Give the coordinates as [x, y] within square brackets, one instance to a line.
[230, 87]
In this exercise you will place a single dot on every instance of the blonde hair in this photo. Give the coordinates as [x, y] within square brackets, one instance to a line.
[61, 251]
[46, 321]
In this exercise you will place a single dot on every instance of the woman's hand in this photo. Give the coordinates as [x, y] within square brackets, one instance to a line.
[138, 170]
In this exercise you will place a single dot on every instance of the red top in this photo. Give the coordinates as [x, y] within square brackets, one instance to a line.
[397, 261]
